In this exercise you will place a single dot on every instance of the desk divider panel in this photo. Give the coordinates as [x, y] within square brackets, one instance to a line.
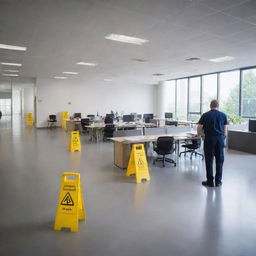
[155, 131]
[178, 129]
[124, 133]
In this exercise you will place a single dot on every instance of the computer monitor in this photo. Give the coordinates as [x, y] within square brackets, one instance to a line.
[128, 118]
[252, 125]
[91, 116]
[168, 115]
[148, 116]
[77, 115]
[110, 115]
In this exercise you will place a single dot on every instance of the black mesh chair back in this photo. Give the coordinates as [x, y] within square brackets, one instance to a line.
[85, 121]
[108, 131]
[196, 143]
[164, 145]
[192, 148]
[52, 118]
[77, 115]
[109, 120]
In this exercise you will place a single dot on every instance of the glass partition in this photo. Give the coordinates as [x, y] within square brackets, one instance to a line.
[249, 93]
[6, 98]
[209, 91]
[182, 99]
[229, 92]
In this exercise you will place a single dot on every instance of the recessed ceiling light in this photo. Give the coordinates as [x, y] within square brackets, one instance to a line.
[158, 74]
[12, 47]
[11, 64]
[11, 70]
[86, 64]
[10, 75]
[222, 59]
[126, 39]
[107, 80]
[70, 73]
[193, 59]
[60, 77]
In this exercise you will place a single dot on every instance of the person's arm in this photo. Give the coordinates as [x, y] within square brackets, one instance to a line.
[200, 130]
[225, 130]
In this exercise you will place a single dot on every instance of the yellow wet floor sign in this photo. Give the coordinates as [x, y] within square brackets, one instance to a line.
[64, 117]
[29, 119]
[138, 164]
[75, 144]
[71, 204]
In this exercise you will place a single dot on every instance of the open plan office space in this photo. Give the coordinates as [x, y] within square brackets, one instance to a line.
[110, 93]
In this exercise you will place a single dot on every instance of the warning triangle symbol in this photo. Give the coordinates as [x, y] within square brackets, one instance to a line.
[140, 163]
[67, 200]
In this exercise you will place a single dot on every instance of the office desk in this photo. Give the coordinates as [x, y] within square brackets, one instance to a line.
[122, 145]
[73, 125]
[96, 130]
[244, 141]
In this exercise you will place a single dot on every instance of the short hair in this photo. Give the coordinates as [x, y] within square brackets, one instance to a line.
[214, 104]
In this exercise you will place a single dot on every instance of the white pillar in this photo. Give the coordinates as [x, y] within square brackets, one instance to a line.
[161, 98]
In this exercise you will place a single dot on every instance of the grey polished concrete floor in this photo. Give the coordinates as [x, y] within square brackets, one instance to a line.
[170, 215]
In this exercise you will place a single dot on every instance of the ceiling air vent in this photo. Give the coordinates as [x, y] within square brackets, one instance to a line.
[140, 60]
[193, 59]
[157, 74]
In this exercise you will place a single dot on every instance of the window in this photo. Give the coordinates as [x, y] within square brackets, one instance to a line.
[229, 93]
[249, 93]
[182, 99]
[209, 91]
[194, 98]
[5, 107]
[169, 96]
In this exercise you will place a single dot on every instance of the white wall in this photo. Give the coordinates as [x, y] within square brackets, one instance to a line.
[27, 87]
[53, 97]
[16, 101]
[28, 100]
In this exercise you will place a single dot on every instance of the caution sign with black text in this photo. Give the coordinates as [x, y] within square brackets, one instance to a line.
[138, 164]
[71, 204]
[29, 119]
[64, 118]
[75, 144]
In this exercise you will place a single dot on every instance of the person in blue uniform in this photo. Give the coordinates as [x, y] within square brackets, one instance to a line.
[213, 124]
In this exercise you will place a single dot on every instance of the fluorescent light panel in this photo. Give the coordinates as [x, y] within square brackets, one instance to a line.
[222, 59]
[13, 47]
[11, 70]
[107, 80]
[11, 64]
[70, 73]
[10, 75]
[86, 64]
[60, 77]
[126, 39]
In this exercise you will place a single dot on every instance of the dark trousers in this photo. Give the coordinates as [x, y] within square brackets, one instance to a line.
[214, 147]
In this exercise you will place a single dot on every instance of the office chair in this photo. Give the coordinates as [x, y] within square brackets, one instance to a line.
[77, 115]
[164, 146]
[109, 120]
[52, 121]
[91, 116]
[192, 147]
[85, 122]
[108, 131]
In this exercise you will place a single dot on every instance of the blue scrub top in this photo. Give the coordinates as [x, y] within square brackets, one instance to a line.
[213, 123]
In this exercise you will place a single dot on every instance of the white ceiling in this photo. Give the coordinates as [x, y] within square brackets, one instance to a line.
[60, 33]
